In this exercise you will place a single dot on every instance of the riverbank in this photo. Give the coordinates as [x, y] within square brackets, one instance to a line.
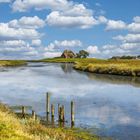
[12, 63]
[13, 128]
[101, 66]
[121, 67]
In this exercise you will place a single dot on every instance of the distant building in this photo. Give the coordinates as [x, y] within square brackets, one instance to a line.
[68, 54]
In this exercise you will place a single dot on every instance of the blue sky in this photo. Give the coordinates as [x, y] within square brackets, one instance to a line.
[32, 29]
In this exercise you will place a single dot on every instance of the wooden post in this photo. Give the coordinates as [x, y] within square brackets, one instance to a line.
[58, 112]
[48, 106]
[33, 115]
[23, 111]
[72, 114]
[52, 114]
[63, 115]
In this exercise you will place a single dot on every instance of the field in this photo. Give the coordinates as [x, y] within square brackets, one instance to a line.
[100, 66]
[13, 128]
[6, 63]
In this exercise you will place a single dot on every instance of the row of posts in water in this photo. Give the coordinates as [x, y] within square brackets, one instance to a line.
[61, 113]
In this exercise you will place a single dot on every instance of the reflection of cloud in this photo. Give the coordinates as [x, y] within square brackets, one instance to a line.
[114, 79]
[108, 115]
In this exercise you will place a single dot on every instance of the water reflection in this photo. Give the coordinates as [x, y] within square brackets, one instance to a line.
[67, 68]
[111, 104]
[112, 79]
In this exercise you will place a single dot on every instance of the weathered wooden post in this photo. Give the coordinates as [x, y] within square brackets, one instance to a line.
[63, 115]
[52, 114]
[58, 112]
[23, 111]
[72, 114]
[33, 115]
[60, 116]
[48, 106]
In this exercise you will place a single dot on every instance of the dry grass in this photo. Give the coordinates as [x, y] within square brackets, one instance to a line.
[13, 128]
[6, 63]
[124, 68]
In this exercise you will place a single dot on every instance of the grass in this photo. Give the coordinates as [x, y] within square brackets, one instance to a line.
[13, 128]
[114, 67]
[13, 63]
[59, 60]
[100, 66]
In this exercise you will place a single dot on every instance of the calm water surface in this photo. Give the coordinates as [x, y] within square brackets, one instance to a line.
[107, 105]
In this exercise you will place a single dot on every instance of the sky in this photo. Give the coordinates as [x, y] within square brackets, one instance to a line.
[31, 29]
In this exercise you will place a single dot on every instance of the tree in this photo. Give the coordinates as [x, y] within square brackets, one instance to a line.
[82, 54]
[138, 56]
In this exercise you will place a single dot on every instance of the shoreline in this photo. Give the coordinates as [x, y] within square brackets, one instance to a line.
[13, 127]
[107, 71]
[119, 67]
[92, 65]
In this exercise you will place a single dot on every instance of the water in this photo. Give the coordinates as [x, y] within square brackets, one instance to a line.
[106, 105]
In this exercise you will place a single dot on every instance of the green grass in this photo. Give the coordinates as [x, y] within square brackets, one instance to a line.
[101, 66]
[14, 128]
[12, 63]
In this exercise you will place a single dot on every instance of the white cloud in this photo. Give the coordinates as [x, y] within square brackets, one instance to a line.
[22, 42]
[108, 46]
[65, 44]
[102, 20]
[24, 5]
[52, 54]
[130, 46]
[115, 25]
[121, 25]
[36, 42]
[13, 43]
[129, 38]
[136, 19]
[60, 20]
[17, 49]
[27, 22]
[93, 50]
[64, 13]
[134, 27]
[77, 10]
[8, 33]
[109, 50]
[74, 16]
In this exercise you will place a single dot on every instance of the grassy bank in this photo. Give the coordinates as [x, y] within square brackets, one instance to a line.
[13, 128]
[114, 67]
[100, 66]
[12, 63]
